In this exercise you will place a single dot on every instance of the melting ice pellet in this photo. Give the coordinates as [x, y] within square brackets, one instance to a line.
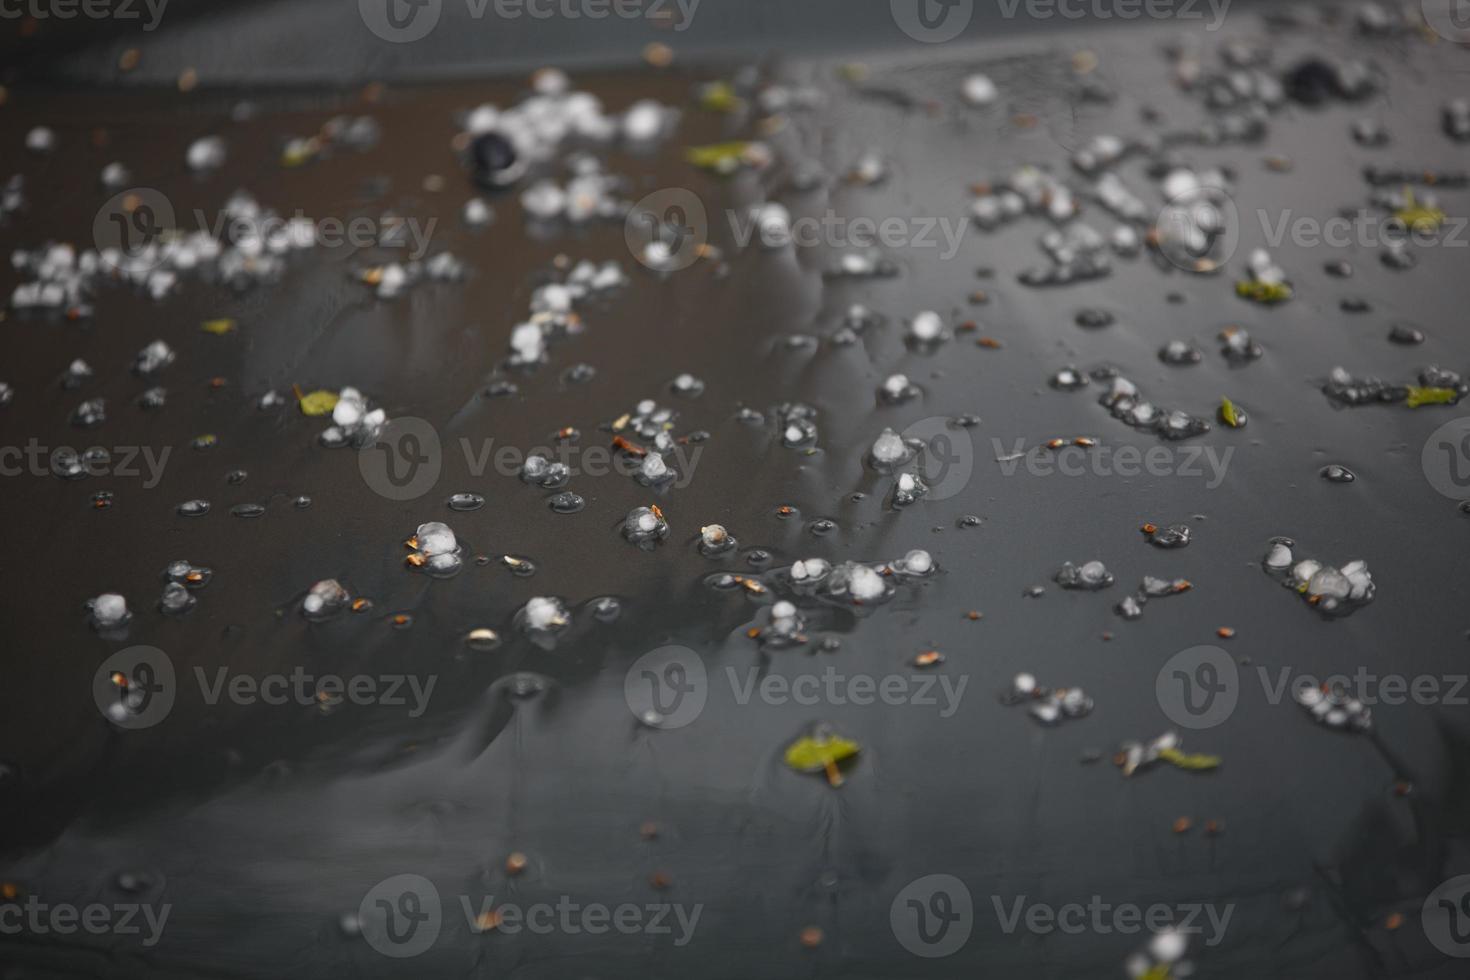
[325, 598]
[645, 527]
[108, 610]
[466, 501]
[1090, 575]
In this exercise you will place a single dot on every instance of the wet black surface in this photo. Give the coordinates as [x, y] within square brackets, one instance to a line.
[261, 826]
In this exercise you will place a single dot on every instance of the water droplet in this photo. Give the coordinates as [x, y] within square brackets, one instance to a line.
[247, 510]
[520, 566]
[301, 502]
[102, 499]
[969, 520]
[193, 508]
[466, 501]
[236, 477]
[1335, 473]
[606, 609]
[482, 640]
[566, 502]
[822, 526]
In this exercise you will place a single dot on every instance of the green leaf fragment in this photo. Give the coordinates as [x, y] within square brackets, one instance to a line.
[720, 157]
[719, 97]
[1418, 216]
[218, 327]
[1263, 292]
[821, 753]
[1192, 762]
[1230, 415]
[319, 402]
[1419, 395]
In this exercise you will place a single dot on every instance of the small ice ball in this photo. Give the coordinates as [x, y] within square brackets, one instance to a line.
[889, 447]
[864, 583]
[435, 538]
[41, 139]
[1168, 946]
[109, 609]
[979, 90]
[926, 326]
[644, 121]
[918, 561]
[544, 613]
[206, 153]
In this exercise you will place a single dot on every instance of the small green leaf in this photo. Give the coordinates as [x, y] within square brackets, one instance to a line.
[1431, 396]
[1189, 761]
[1263, 292]
[1230, 415]
[719, 97]
[1417, 216]
[319, 402]
[820, 752]
[720, 157]
[218, 327]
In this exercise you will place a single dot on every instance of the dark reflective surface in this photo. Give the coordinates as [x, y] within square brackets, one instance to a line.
[261, 826]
